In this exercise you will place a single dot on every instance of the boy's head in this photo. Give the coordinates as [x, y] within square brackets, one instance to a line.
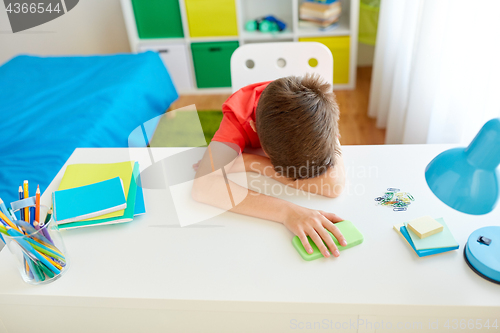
[297, 124]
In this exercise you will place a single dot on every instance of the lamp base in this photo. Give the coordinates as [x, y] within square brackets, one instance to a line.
[482, 252]
[476, 271]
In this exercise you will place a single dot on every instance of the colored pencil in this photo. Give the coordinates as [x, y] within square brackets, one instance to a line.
[44, 228]
[32, 214]
[38, 272]
[49, 259]
[3, 208]
[49, 215]
[37, 212]
[21, 197]
[45, 270]
[29, 267]
[6, 220]
[11, 212]
[44, 249]
[33, 231]
[6, 212]
[29, 248]
[26, 195]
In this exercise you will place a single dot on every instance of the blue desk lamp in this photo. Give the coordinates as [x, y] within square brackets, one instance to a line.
[468, 180]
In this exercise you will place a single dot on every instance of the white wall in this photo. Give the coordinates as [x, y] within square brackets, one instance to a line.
[92, 27]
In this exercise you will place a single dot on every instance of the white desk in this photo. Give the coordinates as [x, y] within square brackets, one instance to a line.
[239, 274]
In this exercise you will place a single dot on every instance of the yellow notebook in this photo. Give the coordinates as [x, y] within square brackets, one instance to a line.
[85, 174]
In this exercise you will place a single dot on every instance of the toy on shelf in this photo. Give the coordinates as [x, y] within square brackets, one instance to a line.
[266, 24]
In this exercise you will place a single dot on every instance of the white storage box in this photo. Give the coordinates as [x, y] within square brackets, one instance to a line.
[175, 58]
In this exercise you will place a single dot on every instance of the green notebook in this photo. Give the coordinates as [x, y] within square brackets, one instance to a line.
[441, 239]
[351, 234]
[126, 217]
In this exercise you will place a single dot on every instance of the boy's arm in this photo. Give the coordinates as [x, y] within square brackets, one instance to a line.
[211, 186]
[330, 184]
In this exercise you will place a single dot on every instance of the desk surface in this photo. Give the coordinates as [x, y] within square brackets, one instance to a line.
[237, 258]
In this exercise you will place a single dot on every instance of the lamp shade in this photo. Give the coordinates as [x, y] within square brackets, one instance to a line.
[467, 179]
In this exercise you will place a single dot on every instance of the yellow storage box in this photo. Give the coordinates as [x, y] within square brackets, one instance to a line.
[339, 46]
[210, 18]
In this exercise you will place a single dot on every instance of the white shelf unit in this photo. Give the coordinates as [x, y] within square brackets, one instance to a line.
[285, 10]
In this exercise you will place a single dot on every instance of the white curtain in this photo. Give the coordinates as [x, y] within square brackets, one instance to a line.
[436, 73]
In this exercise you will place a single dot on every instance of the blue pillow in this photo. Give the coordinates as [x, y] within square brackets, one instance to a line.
[50, 106]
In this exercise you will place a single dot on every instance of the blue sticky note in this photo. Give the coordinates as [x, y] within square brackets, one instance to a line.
[442, 239]
[424, 253]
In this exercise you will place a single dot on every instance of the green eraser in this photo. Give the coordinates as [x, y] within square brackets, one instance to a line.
[351, 234]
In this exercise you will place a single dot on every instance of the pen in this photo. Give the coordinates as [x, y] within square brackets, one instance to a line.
[29, 268]
[37, 212]
[37, 271]
[21, 197]
[49, 259]
[44, 228]
[43, 249]
[26, 195]
[27, 246]
[45, 270]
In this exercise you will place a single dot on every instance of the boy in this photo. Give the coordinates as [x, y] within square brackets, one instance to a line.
[295, 122]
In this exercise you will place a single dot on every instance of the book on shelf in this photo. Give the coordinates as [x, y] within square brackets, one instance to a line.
[324, 2]
[321, 15]
[326, 12]
[313, 25]
[316, 22]
[314, 5]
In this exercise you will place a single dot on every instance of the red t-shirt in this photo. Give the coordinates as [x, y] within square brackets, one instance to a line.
[238, 110]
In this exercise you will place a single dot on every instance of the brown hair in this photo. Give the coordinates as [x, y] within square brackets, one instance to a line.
[297, 124]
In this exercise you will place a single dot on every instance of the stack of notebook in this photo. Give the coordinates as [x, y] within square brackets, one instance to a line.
[427, 236]
[319, 14]
[96, 194]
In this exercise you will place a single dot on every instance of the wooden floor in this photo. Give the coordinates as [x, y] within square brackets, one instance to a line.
[356, 128]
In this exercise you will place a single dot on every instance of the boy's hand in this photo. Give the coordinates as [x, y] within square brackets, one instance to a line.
[308, 222]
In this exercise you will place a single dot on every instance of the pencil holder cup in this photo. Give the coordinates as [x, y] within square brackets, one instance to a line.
[38, 248]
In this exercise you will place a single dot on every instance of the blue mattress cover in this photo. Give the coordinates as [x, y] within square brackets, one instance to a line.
[51, 105]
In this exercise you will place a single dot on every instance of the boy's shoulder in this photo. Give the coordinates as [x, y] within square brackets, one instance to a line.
[243, 102]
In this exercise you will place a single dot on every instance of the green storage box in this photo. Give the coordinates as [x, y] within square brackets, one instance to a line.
[158, 18]
[212, 63]
[368, 21]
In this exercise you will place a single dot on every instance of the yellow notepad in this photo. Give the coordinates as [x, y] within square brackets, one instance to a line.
[85, 174]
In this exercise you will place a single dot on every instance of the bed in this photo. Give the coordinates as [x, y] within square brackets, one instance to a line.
[51, 105]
